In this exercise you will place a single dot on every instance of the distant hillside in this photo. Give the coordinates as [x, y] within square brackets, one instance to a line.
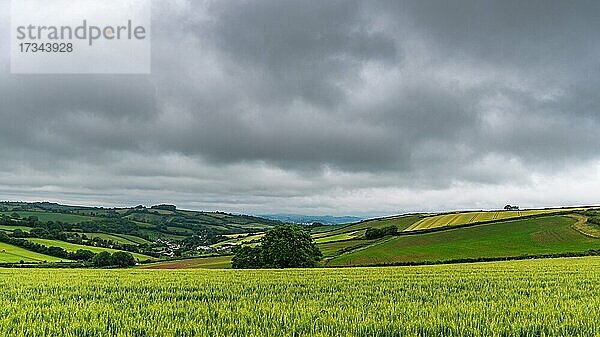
[467, 235]
[33, 233]
[147, 232]
[309, 219]
[551, 234]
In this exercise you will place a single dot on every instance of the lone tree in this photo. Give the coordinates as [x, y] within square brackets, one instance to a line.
[287, 246]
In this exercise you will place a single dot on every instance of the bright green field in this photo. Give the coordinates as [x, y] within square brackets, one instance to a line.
[72, 247]
[14, 254]
[340, 237]
[463, 218]
[133, 238]
[12, 228]
[558, 297]
[240, 239]
[112, 237]
[214, 262]
[50, 216]
[334, 248]
[552, 234]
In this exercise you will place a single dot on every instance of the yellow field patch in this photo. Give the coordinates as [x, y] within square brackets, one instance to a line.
[464, 218]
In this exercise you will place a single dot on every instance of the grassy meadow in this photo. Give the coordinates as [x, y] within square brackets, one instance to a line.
[213, 262]
[71, 247]
[14, 254]
[51, 216]
[552, 297]
[544, 235]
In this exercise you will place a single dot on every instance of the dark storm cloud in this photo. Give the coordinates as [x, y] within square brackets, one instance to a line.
[305, 49]
[298, 103]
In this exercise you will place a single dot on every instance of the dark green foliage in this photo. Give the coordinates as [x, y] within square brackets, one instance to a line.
[82, 255]
[376, 233]
[247, 258]
[116, 259]
[287, 246]
[165, 207]
[594, 220]
[102, 259]
[34, 247]
[122, 259]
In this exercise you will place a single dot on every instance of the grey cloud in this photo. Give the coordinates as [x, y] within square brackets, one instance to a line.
[268, 103]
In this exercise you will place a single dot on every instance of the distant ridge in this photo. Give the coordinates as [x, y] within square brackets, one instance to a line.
[309, 219]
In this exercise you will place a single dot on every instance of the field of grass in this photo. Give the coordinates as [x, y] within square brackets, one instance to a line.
[241, 239]
[133, 238]
[326, 228]
[12, 228]
[557, 297]
[213, 262]
[402, 222]
[155, 235]
[111, 237]
[71, 247]
[50, 216]
[463, 218]
[14, 254]
[340, 237]
[551, 234]
[330, 249]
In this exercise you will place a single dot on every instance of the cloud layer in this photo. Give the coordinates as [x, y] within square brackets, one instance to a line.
[340, 107]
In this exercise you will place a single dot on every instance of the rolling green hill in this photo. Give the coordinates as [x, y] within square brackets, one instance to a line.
[117, 238]
[156, 222]
[71, 247]
[543, 235]
[50, 216]
[207, 239]
[465, 218]
[159, 231]
[14, 254]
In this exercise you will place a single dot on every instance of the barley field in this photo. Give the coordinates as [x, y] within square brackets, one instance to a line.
[464, 218]
[558, 297]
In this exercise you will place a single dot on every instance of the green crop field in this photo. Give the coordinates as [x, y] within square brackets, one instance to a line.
[240, 239]
[50, 216]
[335, 248]
[13, 228]
[340, 237]
[111, 237]
[213, 262]
[14, 254]
[71, 247]
[464, 218]
[556, 297]
[551, 234]
[133, 238]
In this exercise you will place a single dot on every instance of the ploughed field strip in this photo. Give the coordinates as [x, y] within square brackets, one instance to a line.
[551, 297]
[465, 218]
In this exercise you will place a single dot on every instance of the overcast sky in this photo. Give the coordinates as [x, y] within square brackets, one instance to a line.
[321, 107]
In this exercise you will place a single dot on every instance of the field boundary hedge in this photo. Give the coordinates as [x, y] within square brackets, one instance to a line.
[592, 252]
